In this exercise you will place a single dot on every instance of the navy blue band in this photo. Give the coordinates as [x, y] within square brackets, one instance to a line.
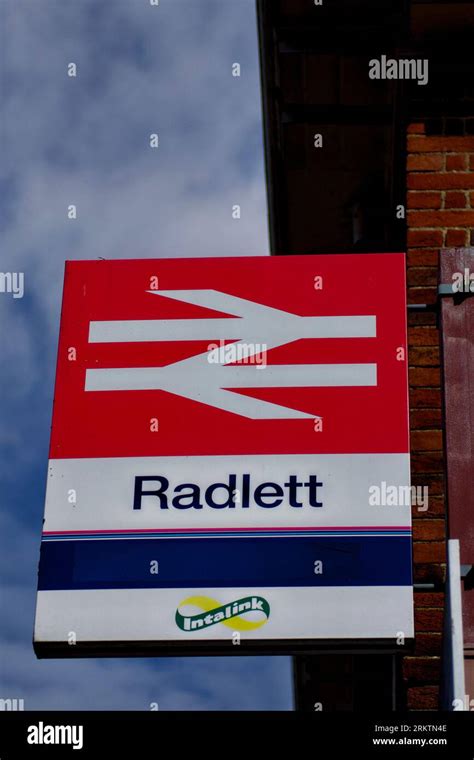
[225, 562]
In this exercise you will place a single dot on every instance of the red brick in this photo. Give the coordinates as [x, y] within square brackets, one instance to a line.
[428, 529]
[441, 218]
[436, 506]
[418, 257]
[471, 199]
[419, 199]
[440, 181]
[456, 162]
[422, 295]
[429, 599]
[422, 276]
[447, 144]
[426, 238]
[423, 336]
[423, 698]
[425, 669]
[429, 551]
[426, 440]
[423, 347]
[471, 162]
[419, 508]
[429, 619]
[428, 644]
[417, 128]
[435, 483]
[417, 318]
[425, 418]
[457, 238]
[430, 573]
[425, 397]
[455, 199]
[426, 356]
[427, 461]
[427, 162]
[428, 377]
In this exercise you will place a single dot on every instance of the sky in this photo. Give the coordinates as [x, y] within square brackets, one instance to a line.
[84, 140]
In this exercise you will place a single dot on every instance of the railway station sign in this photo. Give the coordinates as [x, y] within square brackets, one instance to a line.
[225, 433]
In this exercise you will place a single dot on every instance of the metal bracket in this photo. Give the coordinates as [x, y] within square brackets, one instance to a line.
[422, 306]
[458, 295]
[443, 292]
[446, 290]
[467, 572]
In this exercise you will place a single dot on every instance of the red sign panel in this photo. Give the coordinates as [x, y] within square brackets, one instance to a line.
[356, 418]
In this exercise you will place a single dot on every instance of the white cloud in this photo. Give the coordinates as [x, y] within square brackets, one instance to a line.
[85, 141]
[106, 684]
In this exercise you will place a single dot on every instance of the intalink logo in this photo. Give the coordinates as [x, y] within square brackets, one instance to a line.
[227, 614]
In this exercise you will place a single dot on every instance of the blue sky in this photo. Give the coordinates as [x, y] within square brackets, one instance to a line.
[85, 141]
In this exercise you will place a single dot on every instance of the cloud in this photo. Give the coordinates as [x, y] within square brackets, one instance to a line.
[200, 684]
[222, 683]
[85, 141]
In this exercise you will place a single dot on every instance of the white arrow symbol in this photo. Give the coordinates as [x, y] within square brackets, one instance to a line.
[210, 383]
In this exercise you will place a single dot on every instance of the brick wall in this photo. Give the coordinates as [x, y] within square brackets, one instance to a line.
[440, 213]
[440, 184]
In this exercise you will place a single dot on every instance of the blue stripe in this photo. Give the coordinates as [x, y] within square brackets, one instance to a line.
[241, 562]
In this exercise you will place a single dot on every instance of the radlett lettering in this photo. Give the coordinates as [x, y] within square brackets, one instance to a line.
[238, 491]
